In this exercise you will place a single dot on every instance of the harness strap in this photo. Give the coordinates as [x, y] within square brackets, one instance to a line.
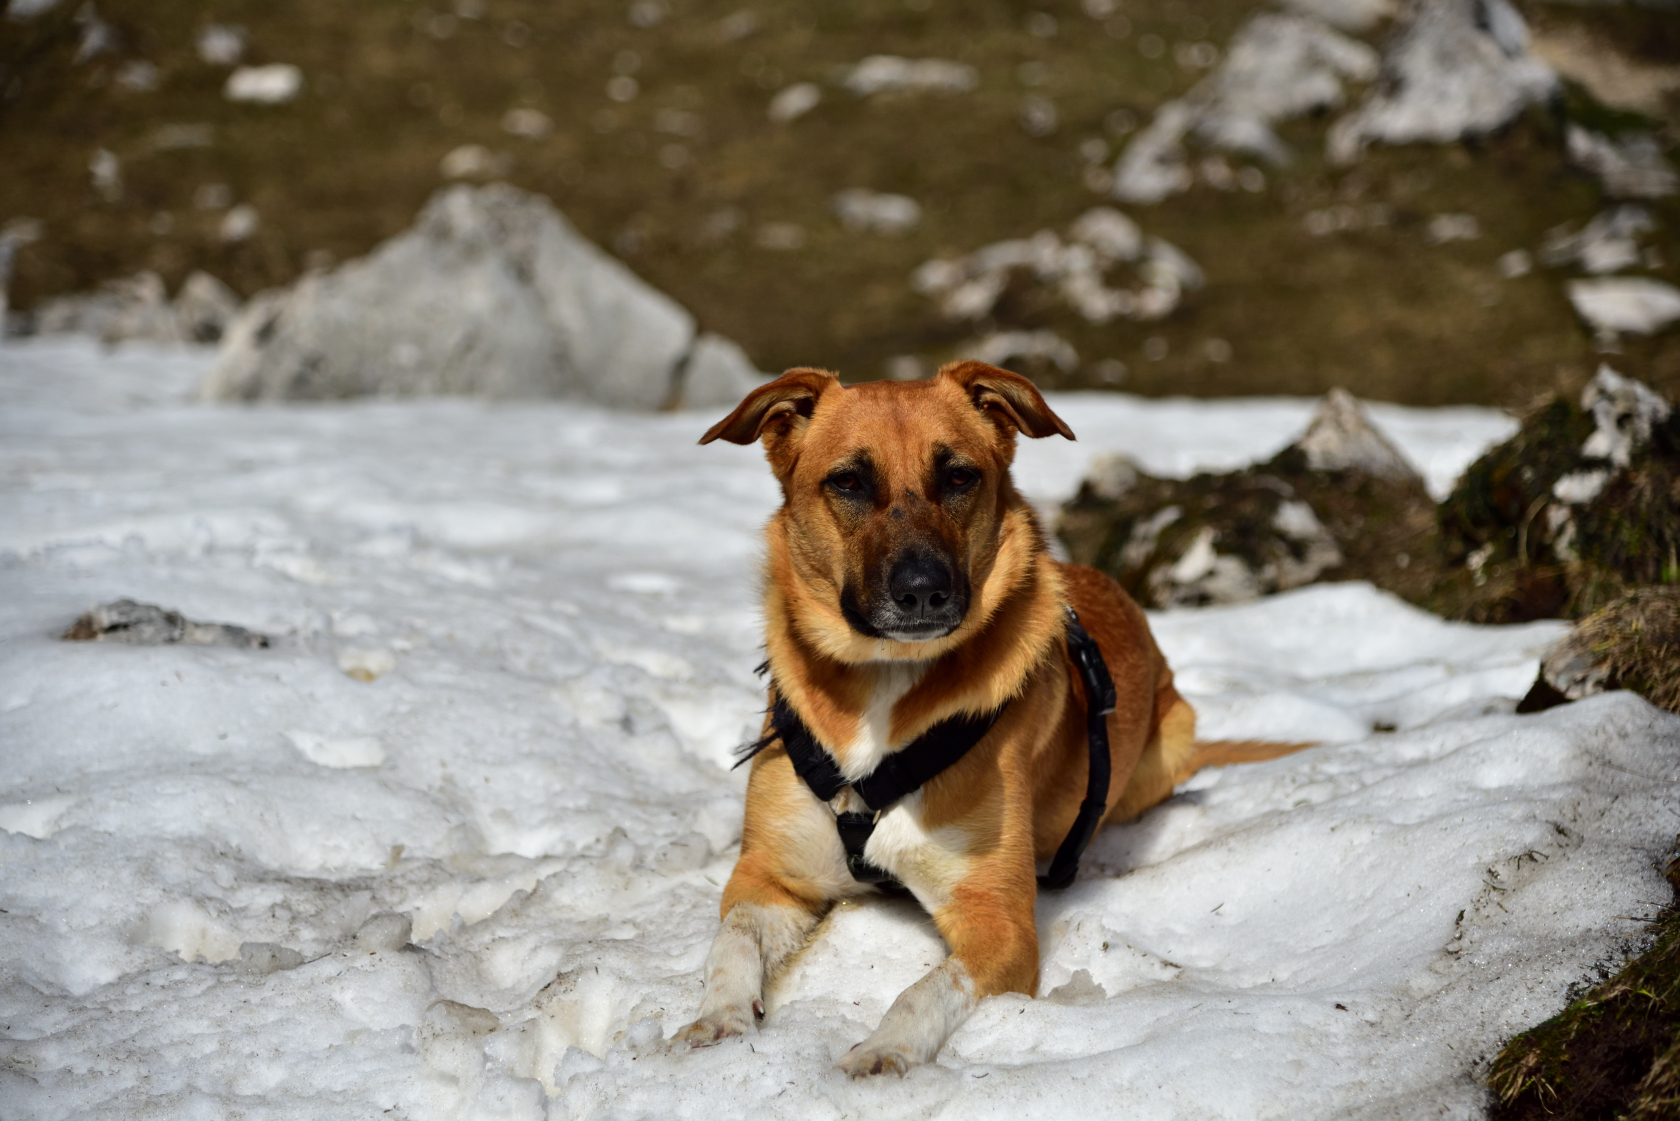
[905, 771]
[900, 774]
[1100, 699]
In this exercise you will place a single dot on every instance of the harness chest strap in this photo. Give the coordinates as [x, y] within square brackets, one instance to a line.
[905, 771]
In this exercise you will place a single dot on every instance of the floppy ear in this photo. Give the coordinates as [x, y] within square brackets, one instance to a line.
[774, 406]
[1008, 398]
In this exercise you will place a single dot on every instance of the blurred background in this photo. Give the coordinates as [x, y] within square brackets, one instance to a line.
[1400, 200]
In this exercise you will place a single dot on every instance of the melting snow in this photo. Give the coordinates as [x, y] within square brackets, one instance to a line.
[514, 649]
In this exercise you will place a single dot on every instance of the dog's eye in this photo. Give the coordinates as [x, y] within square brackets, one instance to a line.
[960, 477]
[847, 482]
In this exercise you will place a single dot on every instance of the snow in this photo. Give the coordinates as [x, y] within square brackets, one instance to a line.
[514, 650]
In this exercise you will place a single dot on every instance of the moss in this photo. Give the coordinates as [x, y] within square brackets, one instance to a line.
[1498, 521]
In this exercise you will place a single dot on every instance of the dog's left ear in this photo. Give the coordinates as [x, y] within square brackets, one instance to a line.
[1008, 398]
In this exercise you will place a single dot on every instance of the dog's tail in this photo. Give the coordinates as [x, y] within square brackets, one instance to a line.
[1222, 753]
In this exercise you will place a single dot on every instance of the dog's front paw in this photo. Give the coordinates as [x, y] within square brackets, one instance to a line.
[876, 1058]
[720, 1024]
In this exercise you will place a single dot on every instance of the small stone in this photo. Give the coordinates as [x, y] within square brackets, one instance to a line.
[259, 959]
[145, 624]
[366, 664]
[892, 74]
[274, 84]
[385, 932]
[862, 210]
[1625, 305]
[794, 102]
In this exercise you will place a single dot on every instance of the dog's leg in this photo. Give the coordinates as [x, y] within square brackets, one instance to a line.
[754, 941]
[998, 956]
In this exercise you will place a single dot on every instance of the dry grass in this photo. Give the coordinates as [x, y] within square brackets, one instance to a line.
[679, 180]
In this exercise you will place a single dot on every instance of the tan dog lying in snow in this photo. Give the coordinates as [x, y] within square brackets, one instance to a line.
[916, 623]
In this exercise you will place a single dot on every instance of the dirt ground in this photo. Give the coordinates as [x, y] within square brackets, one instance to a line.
[690, 182]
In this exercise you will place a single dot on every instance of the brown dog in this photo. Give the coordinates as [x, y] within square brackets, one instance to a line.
[908, 588]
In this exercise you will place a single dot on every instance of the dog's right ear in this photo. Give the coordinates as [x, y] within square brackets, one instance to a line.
[772, 411]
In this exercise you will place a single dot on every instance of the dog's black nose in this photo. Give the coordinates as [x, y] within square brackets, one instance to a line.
[920, 584]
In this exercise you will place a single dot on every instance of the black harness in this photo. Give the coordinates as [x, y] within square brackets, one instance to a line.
[907, 770]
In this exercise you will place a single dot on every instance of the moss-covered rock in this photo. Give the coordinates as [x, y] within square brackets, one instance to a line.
[1580, 506]
[1340, 503]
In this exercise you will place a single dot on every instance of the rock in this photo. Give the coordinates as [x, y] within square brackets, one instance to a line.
[1625, 305]
[876, 212]
[138, 309]
[1277, 67]
[204, 307]
[1346, 15]
[1076, 271]
[474, 161]
[717, 374]
[385, 932]
[793, 102]
[1444, 228]
[1580, 505]
[533, 124]
[1002, 348]
[239, 223]
[1155, 163]
[1625, 413]
[1608, 243]
[890, 74]
[1460, 68]
[1339, 503]
[221, 45]
[143, 624]
[1633, 643]
[1340, 437]
[274, 84]
[492, 292]
[1629, 167]
[259, 959]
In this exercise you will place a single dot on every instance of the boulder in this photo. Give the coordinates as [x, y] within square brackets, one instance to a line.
[1582, 504]
[1277, 66]
[492, 292]
[1460, 68]
[1338, 503]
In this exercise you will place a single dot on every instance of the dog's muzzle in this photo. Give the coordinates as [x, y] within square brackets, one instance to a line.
[922, 602]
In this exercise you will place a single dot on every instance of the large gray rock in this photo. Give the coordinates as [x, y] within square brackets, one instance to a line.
[492, 292]
[1460, 68]
[1277, 66]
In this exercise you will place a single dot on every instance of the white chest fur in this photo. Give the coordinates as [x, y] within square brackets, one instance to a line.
[870, 745]
[928, 862]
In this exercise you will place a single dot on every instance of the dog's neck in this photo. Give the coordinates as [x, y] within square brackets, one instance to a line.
[861, 711]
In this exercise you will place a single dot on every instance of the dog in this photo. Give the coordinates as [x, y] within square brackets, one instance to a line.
[916, 621]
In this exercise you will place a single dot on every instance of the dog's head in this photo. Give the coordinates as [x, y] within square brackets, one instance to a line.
[897, 496]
